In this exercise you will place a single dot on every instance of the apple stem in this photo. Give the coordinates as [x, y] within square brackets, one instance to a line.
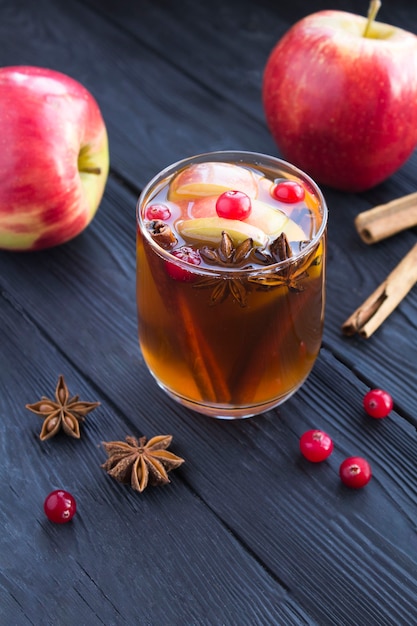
[374, 7]
[91, 170]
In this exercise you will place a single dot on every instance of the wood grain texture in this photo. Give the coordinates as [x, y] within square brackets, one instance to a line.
[124, 559]
[247, 532]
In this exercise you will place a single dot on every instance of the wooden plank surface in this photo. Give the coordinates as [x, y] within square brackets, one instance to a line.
[247, 532]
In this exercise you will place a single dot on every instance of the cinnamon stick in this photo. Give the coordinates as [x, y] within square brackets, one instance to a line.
[380, 304]
[248, 378]
[208, 375]
[387, 219]
[206, 371]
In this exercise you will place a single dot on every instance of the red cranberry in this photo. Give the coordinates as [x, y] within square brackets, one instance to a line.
[60, 506]
[355, 472]
[158, 212]
[234, 205]
[378, 403]
[316, 445]
[288, 191]
[187, 254]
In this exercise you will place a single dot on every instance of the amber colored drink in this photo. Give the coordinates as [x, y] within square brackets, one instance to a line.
[230, 309]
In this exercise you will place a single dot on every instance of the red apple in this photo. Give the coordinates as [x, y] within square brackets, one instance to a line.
[54, 158]
[342, 104]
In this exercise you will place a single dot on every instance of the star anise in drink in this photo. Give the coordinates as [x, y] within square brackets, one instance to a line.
[245, 256]
[223, 287]
[226, 255]
[140, 463]
[63, 413]
[288, 276]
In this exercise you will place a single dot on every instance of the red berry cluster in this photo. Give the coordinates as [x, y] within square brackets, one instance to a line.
[355, 471]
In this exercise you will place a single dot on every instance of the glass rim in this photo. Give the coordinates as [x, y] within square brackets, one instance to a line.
[247, 157]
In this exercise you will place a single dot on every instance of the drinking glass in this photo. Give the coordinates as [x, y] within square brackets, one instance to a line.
[230, 303]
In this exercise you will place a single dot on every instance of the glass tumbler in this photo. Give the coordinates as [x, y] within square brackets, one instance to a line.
[231, 257]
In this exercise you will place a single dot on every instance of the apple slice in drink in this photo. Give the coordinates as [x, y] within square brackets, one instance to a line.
[294, 232]
[272, 221]
[202, 207]
[262, 215]
[211, 179]
[208, 230]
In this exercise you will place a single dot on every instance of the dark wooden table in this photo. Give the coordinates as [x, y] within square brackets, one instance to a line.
[247, 532]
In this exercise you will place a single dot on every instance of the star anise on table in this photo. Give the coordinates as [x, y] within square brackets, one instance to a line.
[63, 413]
[140, 464]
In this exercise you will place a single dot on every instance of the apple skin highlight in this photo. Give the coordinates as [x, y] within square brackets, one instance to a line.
[341, 106]
[54, 158]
